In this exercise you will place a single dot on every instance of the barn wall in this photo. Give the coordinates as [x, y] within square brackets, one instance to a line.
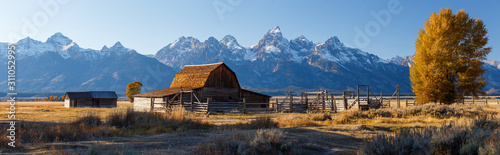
[84, 102]
[66, 102]
[142, 104]
[221, 94]
[109, 103]
[251, 97]
[222, 77]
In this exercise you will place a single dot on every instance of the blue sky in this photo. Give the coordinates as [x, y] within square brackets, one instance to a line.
[147, 26]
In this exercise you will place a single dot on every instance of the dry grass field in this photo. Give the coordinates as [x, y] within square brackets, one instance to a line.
[55, 111]
[119, 131]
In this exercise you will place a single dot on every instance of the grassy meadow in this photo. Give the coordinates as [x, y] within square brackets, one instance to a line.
[49, 128]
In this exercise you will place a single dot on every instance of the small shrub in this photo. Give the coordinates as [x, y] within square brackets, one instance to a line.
[178, 113]
[350, 116]
[323, 116]
[88, 121]
[262, 123]
[290, 121]
[406, 141]
[379, 113]
[476, 136]
[263, 141]
[491, 145]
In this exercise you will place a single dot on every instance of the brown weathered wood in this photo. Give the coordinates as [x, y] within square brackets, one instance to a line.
[397, 91]
[323, 100]
[244, 106]
[192, 103]
[152, 104]
[208, 105]
[291, 100]
[277, 106]
[259, 103]
[181, 98]
[307, 101]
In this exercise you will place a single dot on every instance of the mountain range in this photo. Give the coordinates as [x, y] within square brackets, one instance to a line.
[274, 63]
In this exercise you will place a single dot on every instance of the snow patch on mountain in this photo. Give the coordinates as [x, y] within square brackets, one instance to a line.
[494, 63]
[66, 47]
[250, 55]
[230, 42]
[30, 47]
[58, 39]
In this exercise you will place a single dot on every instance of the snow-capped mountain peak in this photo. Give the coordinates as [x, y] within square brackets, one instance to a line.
[118, 49]
[117, 45]
[230, 42]
[275, 32]
[212, 40]
[28, 41]
[184, 42]
[104, 48]
[31, 47]
[58, 39]
[301, 38]
[334, 42]
[300, 42]
[404, 61]
[494, 63]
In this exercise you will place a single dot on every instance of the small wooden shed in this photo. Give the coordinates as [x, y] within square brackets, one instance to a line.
[199, 83]
[90, 99]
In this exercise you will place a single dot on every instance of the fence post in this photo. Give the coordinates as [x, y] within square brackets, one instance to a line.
[180, 98]
[307, 101]
[277, 106]
[192, 103]
[397, 91]
[334, 103]
[244, 106]
[208, 105]
[166, 104]
[381, 99]
[406, 102]
[326, 93]
[345, 101]
[291, 101]
[323, 98]
[152, 108]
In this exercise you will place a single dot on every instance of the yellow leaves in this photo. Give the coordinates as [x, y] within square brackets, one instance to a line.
[448, 57]
[132, 89]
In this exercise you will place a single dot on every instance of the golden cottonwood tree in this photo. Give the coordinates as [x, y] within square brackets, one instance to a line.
[449, 57]
[132, 89]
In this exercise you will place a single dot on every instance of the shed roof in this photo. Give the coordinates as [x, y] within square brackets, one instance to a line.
[92, 94]
[162, 92]
[194, 76]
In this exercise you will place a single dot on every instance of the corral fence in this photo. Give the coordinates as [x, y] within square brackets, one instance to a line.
[321, 100]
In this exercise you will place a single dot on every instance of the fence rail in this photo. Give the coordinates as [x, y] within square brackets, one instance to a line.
[302, 102]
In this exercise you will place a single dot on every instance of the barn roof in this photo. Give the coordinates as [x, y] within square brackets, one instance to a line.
[162, 92]
[195, 76]
[92, 94]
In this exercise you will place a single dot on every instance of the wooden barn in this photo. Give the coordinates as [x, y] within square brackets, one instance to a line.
[90, 99]
[196, 86]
